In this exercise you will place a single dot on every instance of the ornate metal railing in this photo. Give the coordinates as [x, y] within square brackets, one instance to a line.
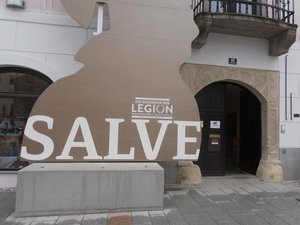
[282, 10]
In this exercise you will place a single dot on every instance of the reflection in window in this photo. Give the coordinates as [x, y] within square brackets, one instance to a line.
[19, 89]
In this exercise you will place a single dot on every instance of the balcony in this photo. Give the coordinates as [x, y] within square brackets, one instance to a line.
[267, 19]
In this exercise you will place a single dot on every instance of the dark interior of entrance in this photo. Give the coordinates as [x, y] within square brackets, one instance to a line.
[231, 133]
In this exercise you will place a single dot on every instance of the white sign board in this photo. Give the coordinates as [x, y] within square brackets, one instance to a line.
[215, 124]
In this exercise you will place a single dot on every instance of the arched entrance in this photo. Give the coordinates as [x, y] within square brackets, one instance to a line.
[264, 84]
[231, 134]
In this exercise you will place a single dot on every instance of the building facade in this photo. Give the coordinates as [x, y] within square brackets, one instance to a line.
[243, 72]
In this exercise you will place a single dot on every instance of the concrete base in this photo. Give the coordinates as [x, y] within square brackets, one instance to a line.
[72, 188]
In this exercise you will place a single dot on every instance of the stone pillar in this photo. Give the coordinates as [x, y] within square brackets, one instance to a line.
[188, 173]
[270, 168]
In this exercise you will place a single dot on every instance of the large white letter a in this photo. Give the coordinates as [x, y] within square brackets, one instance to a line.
[87, 143]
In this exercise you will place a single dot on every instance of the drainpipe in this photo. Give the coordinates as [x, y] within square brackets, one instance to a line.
[286, 87]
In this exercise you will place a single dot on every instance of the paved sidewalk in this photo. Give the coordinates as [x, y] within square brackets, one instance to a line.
[216, 201]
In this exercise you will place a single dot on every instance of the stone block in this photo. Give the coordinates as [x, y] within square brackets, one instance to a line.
[189, 174]
[78, 188]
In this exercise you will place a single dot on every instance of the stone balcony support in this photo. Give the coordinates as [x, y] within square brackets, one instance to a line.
[281, 35]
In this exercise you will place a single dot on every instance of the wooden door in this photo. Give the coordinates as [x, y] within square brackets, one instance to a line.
[211, 107]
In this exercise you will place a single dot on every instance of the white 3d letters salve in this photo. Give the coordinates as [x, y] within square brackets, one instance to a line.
[81, 124]
[129, 101]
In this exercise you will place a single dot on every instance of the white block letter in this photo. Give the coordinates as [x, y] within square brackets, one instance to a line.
[151, 153]
[182, 140]
[88, 142]
[32, 134]
[114, 142]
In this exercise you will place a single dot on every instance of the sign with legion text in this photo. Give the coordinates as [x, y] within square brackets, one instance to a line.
[128, 102]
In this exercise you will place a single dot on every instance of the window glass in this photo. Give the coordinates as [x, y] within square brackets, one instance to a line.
[19, 89]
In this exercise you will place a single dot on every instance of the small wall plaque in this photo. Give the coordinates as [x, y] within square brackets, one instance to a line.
[232, 61]
[215, 124]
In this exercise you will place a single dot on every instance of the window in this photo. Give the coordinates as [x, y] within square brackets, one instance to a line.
[19, 89]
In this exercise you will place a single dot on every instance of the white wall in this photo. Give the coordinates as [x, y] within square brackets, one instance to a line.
[42, 37]
[249, 52]
[291, 137]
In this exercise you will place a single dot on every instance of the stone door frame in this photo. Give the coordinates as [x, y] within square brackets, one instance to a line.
[264, 84]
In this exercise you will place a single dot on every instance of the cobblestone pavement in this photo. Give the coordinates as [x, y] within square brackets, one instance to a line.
[216, 201]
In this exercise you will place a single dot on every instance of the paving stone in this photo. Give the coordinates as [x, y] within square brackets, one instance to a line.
[159, 219]
[224, 187]
[119, 219]
[247, 186]
[233, 208]
[270, 218]
[198, 191]
[279, 187]
[70, 220]
[264, 195]
[175, 217]
[250, 219]
[228, 223]
[232, 184]
[244, 201]
[186, 204]
[294, 194]
[253, 198]
[12, 220]
[141, 218]
[284, 204]
[219, 216]
[94, 219]
[209, 188]
[199, 219]
[294, 185]
[220, 198]
[177, 192]
[204, 202]
[269, 208]
[7, 206]
[169, 203]
[48, 220]
[291, 218]
[157, 213]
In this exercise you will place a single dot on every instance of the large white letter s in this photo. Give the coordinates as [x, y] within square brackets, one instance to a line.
[32, 134]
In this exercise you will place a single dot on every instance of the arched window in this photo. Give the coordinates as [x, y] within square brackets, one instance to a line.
[19, 89]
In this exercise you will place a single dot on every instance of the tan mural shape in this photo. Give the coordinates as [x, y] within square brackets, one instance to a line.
[129, 101]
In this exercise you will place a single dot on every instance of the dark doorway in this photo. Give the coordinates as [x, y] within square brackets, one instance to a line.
[231, 133]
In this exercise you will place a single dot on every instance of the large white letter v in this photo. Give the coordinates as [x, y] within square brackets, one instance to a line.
[151, 153]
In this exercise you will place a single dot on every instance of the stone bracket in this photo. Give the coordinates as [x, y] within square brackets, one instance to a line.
[204, 25]
[281, 35]
[281, 43]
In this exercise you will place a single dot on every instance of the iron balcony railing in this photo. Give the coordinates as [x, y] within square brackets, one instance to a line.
[281, 10]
